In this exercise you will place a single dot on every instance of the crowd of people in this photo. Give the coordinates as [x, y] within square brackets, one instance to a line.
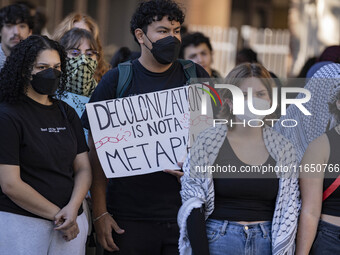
[53, 188]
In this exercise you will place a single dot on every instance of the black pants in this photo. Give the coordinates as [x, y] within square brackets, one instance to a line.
[327, 240]
[146, 238]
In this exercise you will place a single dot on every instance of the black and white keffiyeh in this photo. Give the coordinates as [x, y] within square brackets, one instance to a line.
[198, 187]
[322, 87]
[80, 74]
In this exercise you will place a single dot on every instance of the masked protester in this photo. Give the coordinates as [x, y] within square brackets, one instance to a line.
[85, 22]
[165, 50]
[82, 61]
[46, 82]
[253, 207]
[44, 167]
[137, 214]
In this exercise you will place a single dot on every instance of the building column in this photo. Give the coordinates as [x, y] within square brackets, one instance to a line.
[102, 18]
[54, 12]
[80, 6]
[212, 12]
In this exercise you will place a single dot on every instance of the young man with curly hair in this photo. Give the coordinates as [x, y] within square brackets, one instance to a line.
[143, 208]
[16, 24]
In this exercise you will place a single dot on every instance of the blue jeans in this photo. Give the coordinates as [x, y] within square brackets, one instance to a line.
[327, 240]
[231, 238]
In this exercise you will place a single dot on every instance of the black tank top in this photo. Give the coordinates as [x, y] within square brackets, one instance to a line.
[331, 205]
[243, 196]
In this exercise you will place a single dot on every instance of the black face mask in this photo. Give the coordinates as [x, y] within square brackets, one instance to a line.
[165, 50]
[46, 82]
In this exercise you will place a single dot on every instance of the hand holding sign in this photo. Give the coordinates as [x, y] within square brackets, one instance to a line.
[145, 133]
[176, 173]
[140, 134]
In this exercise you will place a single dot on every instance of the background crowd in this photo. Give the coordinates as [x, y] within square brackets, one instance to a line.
[48, 163]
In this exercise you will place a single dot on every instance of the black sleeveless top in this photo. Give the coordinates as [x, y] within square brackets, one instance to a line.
[243, 196]
[331, 205]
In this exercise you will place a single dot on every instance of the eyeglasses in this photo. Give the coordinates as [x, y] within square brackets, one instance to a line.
[75, 53]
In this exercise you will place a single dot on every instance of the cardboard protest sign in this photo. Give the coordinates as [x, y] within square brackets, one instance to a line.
[144, 133]
[199, 121]
[140, 134]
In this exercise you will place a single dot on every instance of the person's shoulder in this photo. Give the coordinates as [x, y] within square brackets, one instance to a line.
[8, 108]
[274, 138]
[106, 88]
[201, 72]
[5, 108]
[63, 104]
[318, 150]
[319, 144]
[215, 74]
[69, 110]
[110, 76]
[9, 112]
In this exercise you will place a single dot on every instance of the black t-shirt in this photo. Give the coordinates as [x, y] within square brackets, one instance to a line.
[145, 197]
[331, 205]
[243, 196]
[44, 142]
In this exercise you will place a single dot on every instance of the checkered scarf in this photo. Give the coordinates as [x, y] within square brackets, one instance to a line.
[322, 87]
[80, 73]
[198, 187]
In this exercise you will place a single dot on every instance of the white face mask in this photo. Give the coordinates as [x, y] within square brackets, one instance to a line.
[259, 104]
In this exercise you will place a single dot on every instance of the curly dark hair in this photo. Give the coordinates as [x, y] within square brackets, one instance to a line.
[123, 54]
[16, 74]
[154, 10]
[246, 55]
[14, 14]
[333, 109]
[194, 39]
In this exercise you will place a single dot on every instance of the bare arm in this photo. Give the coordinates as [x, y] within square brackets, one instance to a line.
[82, 181]
[23, 194]
[311, 185]
[106, 223]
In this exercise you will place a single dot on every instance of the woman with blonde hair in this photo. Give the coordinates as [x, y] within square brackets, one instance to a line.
[85, 22]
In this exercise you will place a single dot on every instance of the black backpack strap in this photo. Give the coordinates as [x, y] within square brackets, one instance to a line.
[189, 69]
[125, 74]
[125, 77]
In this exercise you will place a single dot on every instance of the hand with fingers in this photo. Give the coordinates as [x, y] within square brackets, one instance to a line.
[71, 232]
[176, 173]
[103, 226]
[66, 217]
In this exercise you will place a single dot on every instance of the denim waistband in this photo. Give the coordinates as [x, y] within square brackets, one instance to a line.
[323, 225]
[223, 225]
